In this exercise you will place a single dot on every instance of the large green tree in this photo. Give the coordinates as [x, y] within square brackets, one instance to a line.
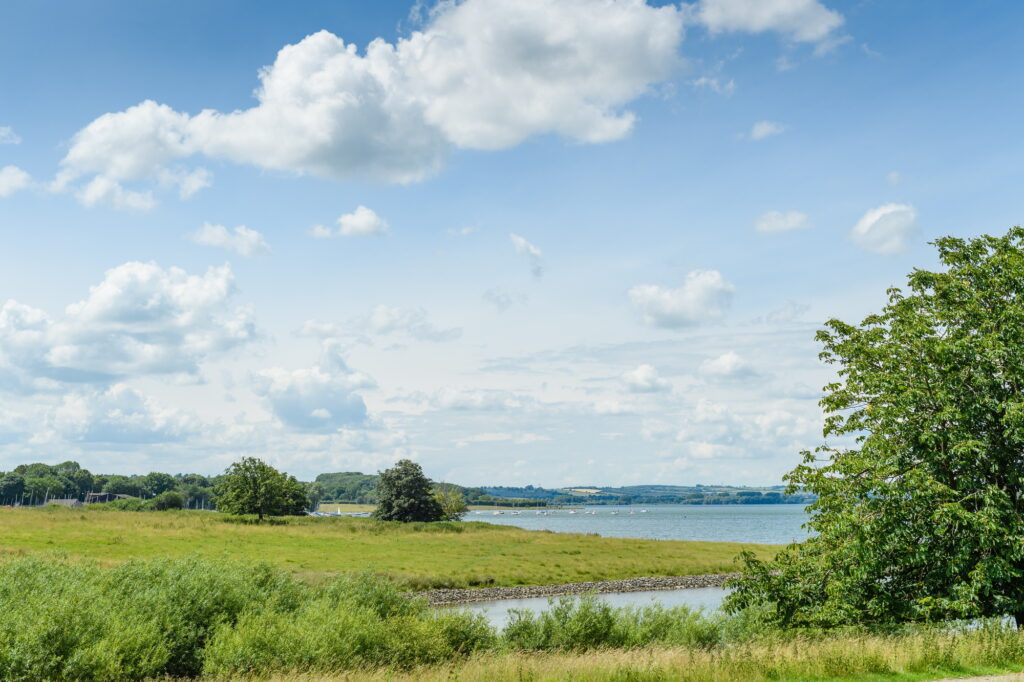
[251, 486]
[404, 493]
[920, 511]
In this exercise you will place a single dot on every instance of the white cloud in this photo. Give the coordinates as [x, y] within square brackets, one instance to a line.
[894, 177]
[715, 85]
[242, 240]
[462, 231]
[384, 320]
[120, 414]
[13, 179]
[320, 232]
[478, 399]
[482, 74]
[413, 322]
[645, 379]
[141, 319]
[777, 221]
[515, 438]
[799, 20]
[705, 295]
[763, 129]
[322, 398]
[361, 222]
[102, 189]
[8, 136]
[886, 230]
[728, 365]
[530, 252]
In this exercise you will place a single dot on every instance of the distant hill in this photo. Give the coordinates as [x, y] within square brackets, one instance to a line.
[653, 494]
[359, 488]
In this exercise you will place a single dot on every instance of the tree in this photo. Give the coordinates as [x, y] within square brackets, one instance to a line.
[920, 510]
[156, 483]
[314, 493]
[123, 485]
[453, 504]
[251, 486]
[12, 486]
[404, 494]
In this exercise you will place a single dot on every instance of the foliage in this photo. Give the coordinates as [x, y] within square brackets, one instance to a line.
[921, 515]
[168, 500]
[216, 619]
[404, 494]
[453, 504]
[251, 486]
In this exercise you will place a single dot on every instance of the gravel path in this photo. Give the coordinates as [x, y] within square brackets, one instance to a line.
[445, 597]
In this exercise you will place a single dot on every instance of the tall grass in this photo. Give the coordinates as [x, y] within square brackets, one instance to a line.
[196, 617]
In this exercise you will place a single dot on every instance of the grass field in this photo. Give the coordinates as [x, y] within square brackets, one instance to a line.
[423, 555]
[861, 658]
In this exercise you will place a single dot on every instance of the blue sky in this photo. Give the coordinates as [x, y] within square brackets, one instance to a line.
[583, 241]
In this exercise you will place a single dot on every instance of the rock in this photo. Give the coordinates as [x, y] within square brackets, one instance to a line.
[448, 597]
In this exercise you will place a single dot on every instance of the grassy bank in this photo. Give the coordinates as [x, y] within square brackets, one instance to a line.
[198, 618]
[910, 658]
[422, 555]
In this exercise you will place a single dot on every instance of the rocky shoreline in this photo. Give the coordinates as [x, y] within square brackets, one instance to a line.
[466, 596]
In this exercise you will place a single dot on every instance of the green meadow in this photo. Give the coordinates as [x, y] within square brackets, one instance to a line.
[463, 554]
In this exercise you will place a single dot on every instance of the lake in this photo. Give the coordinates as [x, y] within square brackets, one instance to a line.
[774, 524]
[499, 612]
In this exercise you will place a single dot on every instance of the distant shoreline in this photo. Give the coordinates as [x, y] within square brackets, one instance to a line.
[470, 595]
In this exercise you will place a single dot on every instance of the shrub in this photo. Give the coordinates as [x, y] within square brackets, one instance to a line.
[168, 500]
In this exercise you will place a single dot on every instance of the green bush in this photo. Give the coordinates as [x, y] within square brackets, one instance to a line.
[169, 499]
[587, 622]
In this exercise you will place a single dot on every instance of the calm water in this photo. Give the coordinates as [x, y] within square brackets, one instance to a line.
[762, 523]
[708, 598]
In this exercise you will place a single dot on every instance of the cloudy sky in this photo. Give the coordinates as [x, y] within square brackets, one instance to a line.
[520, 241]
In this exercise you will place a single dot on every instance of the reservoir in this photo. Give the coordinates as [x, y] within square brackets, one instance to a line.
[774, 524]
[500, 612]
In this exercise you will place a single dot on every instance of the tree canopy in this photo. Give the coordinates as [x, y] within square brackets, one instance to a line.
[920, 510]
[404, 493]
[251, 486]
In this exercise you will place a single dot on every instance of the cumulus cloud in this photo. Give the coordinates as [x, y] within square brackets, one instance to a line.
[322, 398]
[362, 221]
[778, 221]
[242, 240]
[807, 21]
[8, 136]
[530, 252]
[728, 365]
[763, 129]
[140, 320]
[13, 179]
[482, 74]
[713, 430]
[645, 379]
[886, 230]
[120, 414]
[705, 295]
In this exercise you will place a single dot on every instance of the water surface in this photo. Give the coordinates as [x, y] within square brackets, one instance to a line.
[761, 523]
[707, 598]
